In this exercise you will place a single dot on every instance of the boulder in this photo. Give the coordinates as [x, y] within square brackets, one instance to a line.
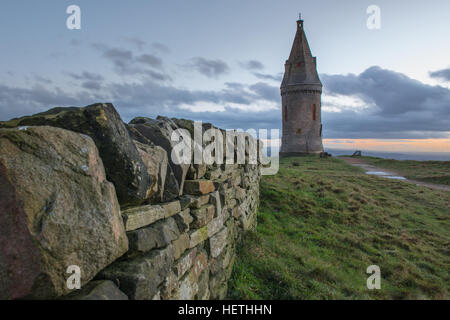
[159, 132]
[103, 124]
[56, 210]
[156, 161]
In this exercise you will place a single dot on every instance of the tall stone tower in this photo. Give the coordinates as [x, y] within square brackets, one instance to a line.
[301, 92]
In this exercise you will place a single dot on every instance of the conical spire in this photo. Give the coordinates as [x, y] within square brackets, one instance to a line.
[301, 67]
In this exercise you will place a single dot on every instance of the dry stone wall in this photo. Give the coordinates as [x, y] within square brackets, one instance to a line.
[170, 233]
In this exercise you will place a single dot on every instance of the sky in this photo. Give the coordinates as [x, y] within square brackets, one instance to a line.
[222, 62]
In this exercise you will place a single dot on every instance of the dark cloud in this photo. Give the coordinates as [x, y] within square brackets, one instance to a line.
[15, 101]
[162, 48]
[267, 92]
[126, 63]
[396, 106]
[150, 60]
[85, 75]
[137, 42]
[91, 85]
[208, 67]
[263, 76]
[42, 79]
[252, 65]
[443, 74]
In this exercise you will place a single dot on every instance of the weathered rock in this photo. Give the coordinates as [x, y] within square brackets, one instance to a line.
[198, 187]
[200, 264]
[159, 132]
[171, 208]
[140, 277]
[180, 245]
[103, 124]
[188, 287]
[196, 171]
[198, 236]
[202, 216]
[169, 286]
[138, 217]
[56, 210]
[218, 242]
[155, 159]
[191, 201]
[183, 264]
[158, 235]
[98, 290]
[203, 287]
[184, 219]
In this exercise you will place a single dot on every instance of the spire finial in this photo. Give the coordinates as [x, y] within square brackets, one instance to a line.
[300, 16]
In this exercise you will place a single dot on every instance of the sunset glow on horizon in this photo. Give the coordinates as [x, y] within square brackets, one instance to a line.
[390, 145]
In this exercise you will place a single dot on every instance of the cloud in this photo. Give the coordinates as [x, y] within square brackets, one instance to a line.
[252, 65]
[162, 48]
[263, 76]
[377, 103]
[91, 85]
[209, 67]
[392, 105]
[150, 60]
[85, 75]
[443, 74]
[137, 42]
[127, 64]
[16, 101]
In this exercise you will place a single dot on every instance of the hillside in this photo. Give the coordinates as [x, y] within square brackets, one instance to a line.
[322, 222]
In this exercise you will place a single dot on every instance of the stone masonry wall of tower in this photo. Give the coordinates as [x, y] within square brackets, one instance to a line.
[301, 92]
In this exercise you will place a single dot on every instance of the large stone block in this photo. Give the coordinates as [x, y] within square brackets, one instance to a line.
[198, 187]
[157, 235]
[180, 245]
[138, 217]
[184, 219]
[140, 277]
[202, 216]
[56, 210]
[183, 264]
[156, 161]
[160, 132]
[218, 242]
[98, 290]
[123, 164]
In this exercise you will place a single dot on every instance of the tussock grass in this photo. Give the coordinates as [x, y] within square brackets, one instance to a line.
[322, 223]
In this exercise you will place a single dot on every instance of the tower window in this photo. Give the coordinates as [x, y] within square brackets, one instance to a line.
[314, 112]
[285, 113]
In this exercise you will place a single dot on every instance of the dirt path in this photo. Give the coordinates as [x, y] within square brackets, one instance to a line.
[387, 173]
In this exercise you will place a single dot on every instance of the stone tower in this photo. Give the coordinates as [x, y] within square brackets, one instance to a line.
[301, 92]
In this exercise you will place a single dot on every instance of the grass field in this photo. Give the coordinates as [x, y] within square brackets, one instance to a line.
[427, 171]
[323, 222]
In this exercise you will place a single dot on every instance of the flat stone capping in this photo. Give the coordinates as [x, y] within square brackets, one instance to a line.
[138, 217]
[142, 216]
